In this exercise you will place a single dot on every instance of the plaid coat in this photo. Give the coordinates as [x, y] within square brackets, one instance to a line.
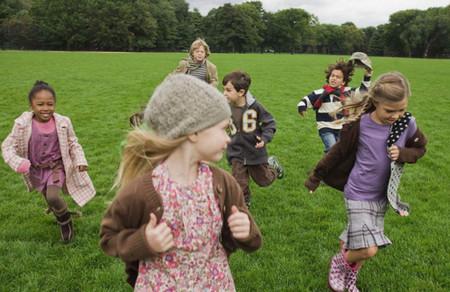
[15, 152]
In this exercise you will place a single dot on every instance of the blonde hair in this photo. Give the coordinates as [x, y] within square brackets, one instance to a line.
[143, 151]
[197, 44]
[389, 87]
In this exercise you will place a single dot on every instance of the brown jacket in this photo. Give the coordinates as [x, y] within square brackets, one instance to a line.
[335, 167]
[123, 226]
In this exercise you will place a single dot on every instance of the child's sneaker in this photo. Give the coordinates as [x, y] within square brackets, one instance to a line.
[337, 274]
[275, 164]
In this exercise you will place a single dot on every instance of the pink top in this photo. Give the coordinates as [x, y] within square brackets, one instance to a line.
[198, 262]
[44, 153]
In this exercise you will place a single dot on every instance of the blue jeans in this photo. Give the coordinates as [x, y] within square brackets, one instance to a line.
[329, 137]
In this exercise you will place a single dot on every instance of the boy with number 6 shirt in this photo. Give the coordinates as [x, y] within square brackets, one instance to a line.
[251, 128]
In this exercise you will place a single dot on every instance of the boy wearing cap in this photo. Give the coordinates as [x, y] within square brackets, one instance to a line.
[326, 101]
[251, 129]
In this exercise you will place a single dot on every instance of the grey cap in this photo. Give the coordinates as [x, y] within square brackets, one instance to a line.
[363, 58]
[183, 104]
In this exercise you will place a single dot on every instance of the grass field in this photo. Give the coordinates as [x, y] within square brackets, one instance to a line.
[98, 91]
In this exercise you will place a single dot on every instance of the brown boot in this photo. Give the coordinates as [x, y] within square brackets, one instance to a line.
[64, 221]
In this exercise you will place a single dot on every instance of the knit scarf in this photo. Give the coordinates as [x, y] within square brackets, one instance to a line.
[397, 167]
[327, 90]
[192, 65]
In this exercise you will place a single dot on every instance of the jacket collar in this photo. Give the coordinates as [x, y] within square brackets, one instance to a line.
[25, 118]
[249, 98]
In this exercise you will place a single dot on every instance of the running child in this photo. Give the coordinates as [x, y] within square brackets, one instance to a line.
[42, 146]
[378, 134]
[252, 128]
[197, 63]
[333, 95]
[176, 218]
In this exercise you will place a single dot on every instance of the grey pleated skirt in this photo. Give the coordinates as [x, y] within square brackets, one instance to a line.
[365, 227]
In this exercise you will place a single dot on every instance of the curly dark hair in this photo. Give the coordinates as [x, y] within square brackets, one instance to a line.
[347, 68]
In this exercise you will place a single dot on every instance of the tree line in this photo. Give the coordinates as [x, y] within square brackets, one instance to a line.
[169, 25]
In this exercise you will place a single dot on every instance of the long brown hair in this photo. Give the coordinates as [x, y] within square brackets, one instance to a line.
[143, 151]
[389, 87]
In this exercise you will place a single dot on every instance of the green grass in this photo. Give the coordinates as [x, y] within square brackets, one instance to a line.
[98, 91]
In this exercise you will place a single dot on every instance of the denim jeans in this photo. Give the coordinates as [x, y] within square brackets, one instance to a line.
[329, 137]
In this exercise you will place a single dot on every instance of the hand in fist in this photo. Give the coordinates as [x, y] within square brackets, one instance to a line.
[239, 224]
[394, 152]
[159, 236]
[260, 143]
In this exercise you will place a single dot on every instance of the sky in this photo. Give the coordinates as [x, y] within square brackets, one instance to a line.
[362, 13]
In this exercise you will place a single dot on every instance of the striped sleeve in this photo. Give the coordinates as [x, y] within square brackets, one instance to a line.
[309, 100]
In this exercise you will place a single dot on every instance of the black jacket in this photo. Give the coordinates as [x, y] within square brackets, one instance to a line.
[254, 122]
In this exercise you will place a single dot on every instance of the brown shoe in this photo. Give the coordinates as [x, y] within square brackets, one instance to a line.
[64, 221]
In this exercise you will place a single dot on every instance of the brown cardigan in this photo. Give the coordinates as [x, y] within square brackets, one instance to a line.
[335, 167]
[123, 226]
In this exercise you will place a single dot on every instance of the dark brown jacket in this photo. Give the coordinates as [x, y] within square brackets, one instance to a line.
[123, 226]
[335, 167]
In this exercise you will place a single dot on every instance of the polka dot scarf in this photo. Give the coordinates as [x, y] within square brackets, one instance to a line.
[396, 167]
[398, 128]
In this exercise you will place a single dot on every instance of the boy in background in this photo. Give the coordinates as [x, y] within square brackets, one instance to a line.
[326, 101]
[251, 129]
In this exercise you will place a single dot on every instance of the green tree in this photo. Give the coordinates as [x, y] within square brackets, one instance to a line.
[287, 29]
[196, 24]
[398, 37]
[432, 28]
[352, 38]
[60, 25]
[164, 13]
[255, 26]
[368, 33]
[377, 42]
[227, 29]
[142, 27]
[15, 24]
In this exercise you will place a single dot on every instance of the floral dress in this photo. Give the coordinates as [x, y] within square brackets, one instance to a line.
[198, 261]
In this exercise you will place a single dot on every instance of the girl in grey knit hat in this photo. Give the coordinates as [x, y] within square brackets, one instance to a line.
[175, 216]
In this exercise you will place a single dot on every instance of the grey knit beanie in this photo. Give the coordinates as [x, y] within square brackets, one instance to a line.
[182, 105]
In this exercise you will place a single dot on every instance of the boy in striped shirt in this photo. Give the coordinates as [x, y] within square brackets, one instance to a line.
[327, 100]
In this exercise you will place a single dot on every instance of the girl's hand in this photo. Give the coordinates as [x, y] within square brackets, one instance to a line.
[82, 167]
[159, 236]
[393, 152]
[24, 167]
[239, 224]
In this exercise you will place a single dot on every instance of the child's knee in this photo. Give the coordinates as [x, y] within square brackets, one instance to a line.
[54, 199]
[370, 252]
